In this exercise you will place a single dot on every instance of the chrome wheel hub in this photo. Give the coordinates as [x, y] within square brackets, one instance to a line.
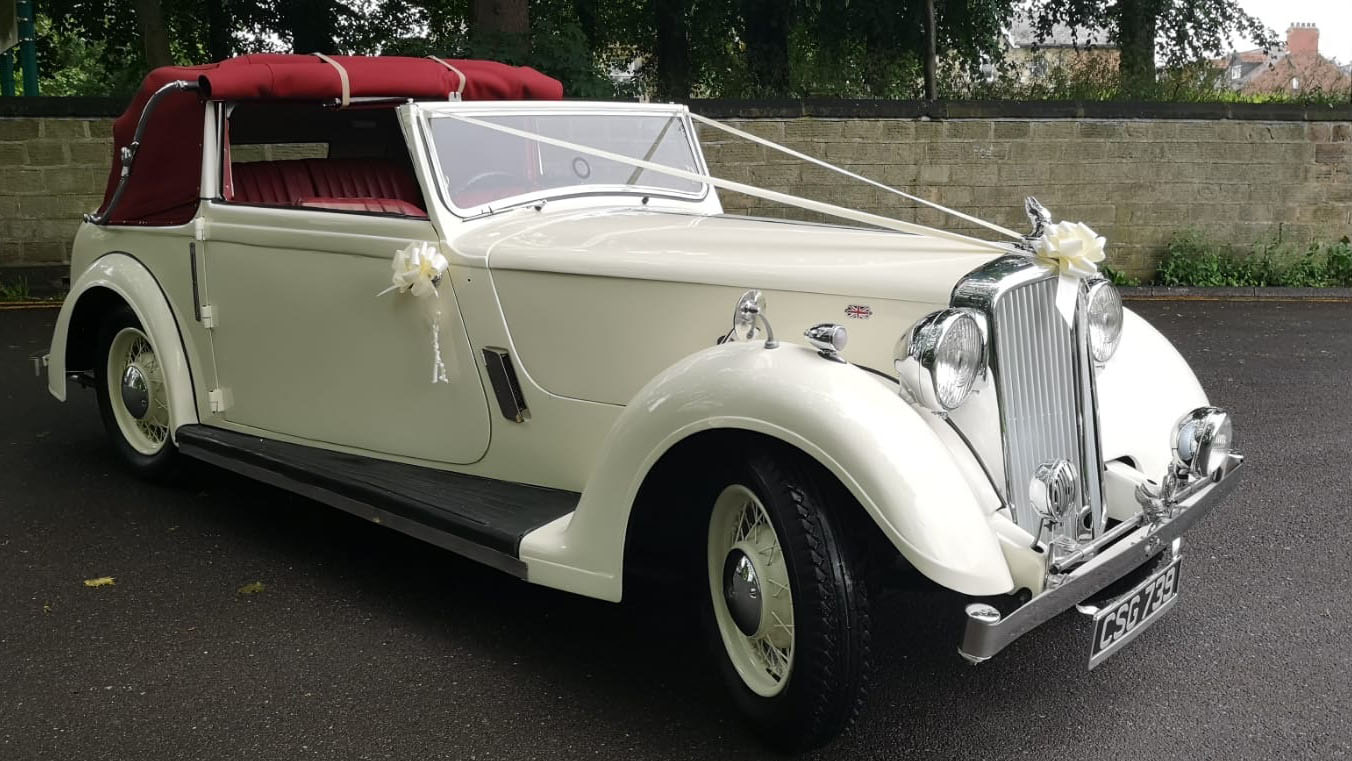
[135, 394]
[749, 584]
[741, 591]
[136, 391]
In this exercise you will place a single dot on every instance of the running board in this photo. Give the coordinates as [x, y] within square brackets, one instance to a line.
[480, 518]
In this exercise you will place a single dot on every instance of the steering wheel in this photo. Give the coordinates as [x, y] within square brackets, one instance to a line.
[503, 178]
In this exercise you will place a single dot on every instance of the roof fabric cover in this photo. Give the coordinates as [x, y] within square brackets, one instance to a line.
[164, 184]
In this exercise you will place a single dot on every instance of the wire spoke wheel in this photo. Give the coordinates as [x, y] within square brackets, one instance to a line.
[751, 591]
[136, 393]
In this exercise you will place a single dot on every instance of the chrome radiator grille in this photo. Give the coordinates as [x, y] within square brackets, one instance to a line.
[1043, 380]
[1034, 352]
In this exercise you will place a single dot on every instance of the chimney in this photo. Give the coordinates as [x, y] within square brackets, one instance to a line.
[1302, 38]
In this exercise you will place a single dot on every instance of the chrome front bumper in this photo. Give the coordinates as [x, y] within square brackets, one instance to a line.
[987, 635]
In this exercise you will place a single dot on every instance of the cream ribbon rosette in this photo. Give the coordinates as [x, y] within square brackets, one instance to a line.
[1073, 247]
[417, 270]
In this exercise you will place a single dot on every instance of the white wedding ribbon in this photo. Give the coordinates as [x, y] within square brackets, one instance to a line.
[417, 270]
[833, 210]
[852, 175]
[1075, 249]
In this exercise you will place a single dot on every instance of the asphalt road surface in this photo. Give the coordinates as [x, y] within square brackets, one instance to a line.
[365, 644]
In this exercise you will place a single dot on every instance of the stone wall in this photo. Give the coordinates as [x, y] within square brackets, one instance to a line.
[1135, 180]
[52, 170]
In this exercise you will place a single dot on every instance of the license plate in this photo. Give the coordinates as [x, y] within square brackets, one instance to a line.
[1118, 624]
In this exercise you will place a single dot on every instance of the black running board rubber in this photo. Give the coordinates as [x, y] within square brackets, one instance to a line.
[480, 518]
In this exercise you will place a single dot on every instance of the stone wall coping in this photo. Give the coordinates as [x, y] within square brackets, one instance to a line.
[844, 108]
[837, 108]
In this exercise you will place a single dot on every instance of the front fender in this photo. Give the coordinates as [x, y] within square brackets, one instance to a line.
[851, 422]
[1142, 391]
[133, 283]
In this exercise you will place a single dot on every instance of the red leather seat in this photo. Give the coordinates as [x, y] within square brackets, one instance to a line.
[361, 178]
[371, 185]
[275, 183]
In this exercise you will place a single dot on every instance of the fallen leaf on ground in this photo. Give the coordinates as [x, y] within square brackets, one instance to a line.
[102, 581]
[251, 589]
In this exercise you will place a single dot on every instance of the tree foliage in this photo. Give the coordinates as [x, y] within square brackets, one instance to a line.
[664, 49]
[1175, 32]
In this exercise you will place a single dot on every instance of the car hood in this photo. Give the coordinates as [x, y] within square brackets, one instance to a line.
[770, 254]
[599, 302]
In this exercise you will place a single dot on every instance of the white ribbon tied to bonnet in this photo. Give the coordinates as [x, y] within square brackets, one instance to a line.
[418, 269]
[1072, 246]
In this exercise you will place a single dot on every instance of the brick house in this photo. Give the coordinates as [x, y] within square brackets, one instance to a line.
[1295, 69]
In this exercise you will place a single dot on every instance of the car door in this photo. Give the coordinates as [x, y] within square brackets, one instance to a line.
[305, 344]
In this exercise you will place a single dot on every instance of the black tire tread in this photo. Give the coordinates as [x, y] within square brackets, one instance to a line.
[830, 678]
[163, 464]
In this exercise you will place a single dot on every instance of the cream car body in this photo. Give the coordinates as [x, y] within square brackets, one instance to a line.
[612, 308]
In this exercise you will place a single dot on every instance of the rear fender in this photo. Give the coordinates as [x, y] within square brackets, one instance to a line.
[850, 421]
[130, 281]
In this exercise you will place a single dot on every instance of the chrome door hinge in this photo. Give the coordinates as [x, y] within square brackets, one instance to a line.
[218, 400]
[208, 316]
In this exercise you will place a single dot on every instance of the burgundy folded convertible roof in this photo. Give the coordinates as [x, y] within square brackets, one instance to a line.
[162, 188]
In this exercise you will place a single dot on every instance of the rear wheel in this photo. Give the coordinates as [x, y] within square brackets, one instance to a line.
[133, 395]
[788, 609]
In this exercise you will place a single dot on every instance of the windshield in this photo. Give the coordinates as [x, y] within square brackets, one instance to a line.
[481, 166]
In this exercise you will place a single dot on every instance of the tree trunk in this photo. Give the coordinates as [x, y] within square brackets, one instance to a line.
[931, 56]
[765, 29]
[673, 49]
[501, 28]
[1137, 25]
[154, 34]
[220, 21]
[311, 23]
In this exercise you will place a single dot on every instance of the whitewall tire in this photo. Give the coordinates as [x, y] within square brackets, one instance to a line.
[133, 394]
[787, 608]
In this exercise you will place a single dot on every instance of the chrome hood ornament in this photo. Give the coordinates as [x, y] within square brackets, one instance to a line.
[1039, 217]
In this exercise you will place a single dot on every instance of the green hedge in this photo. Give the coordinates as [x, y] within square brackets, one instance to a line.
[1194, 260]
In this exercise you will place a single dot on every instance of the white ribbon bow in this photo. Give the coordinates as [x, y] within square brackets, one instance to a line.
[418, 269]
[1073, 247]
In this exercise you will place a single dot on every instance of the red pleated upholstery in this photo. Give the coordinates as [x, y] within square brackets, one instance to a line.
[348, 184]
[361, 178]
[277, 183]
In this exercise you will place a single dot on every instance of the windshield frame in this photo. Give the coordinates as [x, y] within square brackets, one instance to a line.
[483, 109]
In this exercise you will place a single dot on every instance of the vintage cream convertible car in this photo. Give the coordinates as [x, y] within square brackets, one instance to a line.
[435, 295]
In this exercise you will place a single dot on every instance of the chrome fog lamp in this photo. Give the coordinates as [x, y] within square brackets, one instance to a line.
[1202, 440]
[941, 358]
[1104, 307]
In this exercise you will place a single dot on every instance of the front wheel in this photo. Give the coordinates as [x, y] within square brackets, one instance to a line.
[133, 395]
[789, 609]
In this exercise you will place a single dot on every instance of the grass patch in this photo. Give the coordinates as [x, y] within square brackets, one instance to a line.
[1194, 260]
[16, 290]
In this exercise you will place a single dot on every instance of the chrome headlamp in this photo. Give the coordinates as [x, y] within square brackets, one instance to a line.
[1202, 441]
[1104, 308]
[941, 358]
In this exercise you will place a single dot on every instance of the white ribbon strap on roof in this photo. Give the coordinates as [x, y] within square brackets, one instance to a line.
[464, 80]
[841, 212]
[342, 77]
[771, 144]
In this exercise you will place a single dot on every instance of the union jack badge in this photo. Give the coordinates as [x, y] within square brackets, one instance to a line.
[858, 312]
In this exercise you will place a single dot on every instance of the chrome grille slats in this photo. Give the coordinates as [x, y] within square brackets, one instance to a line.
[1044, 383]
[1035, 381]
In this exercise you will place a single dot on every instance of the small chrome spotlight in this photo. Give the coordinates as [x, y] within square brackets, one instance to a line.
[828, 339]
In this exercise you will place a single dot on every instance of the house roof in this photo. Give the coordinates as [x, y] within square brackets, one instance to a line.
[1023, 33]
[171, 143]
